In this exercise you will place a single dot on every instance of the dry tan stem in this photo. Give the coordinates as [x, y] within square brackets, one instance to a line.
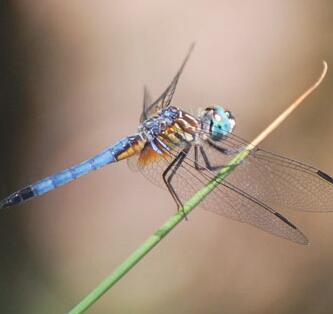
[288, 111]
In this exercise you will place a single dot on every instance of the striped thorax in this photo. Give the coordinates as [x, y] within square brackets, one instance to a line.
[171, 125]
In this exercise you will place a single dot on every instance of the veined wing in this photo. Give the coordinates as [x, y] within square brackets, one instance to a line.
[151, 164]
[164, 100]
[277, 180]
[226, 199]
[146, 103]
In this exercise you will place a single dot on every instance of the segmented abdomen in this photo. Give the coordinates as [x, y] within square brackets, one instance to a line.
[124, 148]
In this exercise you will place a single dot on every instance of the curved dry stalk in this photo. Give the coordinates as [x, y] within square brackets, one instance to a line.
[289, 110]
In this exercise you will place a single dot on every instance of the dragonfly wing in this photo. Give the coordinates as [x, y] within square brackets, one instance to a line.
[166, 97]
[150, 164]
[252, 211]
[230, 201]
[225, 200]
[278, 180]
[291, 183]
[132, 162]
[146, 103]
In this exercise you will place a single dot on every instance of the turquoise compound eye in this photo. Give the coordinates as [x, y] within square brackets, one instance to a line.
[222, 123]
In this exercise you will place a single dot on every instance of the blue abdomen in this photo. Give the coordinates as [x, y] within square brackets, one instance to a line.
[47, 184]
[106, 157]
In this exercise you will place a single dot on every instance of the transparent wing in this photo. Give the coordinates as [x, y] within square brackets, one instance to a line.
[277, 180]
[287, 182]
[226, 199]
[232, 202]
[152, 171]
[146, 103]
[132, 163]
[151, 164]
[166, 97]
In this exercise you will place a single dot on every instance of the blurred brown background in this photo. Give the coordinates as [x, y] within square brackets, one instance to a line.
[71, 84]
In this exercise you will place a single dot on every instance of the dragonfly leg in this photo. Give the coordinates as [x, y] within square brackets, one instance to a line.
[196, 158]
[171, 170]
[199, 149]
[224, 150]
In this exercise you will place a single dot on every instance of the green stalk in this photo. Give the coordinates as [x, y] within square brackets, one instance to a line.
[152, 241]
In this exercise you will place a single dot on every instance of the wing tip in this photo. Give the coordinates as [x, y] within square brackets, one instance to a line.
[300, 238]
[192, 46]
[303, 239]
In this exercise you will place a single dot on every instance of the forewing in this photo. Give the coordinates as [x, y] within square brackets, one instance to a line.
[230, 201]
[225, 200]
[166, 97]
[280, 181]
[147, 100]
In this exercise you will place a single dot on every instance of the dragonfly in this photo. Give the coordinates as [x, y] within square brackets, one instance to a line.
[182, 152]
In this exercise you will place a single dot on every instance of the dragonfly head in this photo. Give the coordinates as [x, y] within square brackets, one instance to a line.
[217, 122]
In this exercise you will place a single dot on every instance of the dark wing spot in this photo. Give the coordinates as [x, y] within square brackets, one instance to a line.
[285, 220]
[325, 176]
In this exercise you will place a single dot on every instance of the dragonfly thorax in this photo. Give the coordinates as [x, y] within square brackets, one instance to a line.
[217, 122]
[157, 124]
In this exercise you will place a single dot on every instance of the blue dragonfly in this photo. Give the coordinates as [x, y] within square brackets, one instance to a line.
[182, 152]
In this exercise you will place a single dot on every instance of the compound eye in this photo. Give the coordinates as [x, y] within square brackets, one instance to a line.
[217, 117]
[229, 115]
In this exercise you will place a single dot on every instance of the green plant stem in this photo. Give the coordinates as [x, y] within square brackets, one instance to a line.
[150, 243]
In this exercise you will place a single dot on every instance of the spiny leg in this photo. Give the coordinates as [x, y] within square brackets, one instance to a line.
[171, 170]
[171, 190]
[198, 149]
[196, 158]
[224, 150]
